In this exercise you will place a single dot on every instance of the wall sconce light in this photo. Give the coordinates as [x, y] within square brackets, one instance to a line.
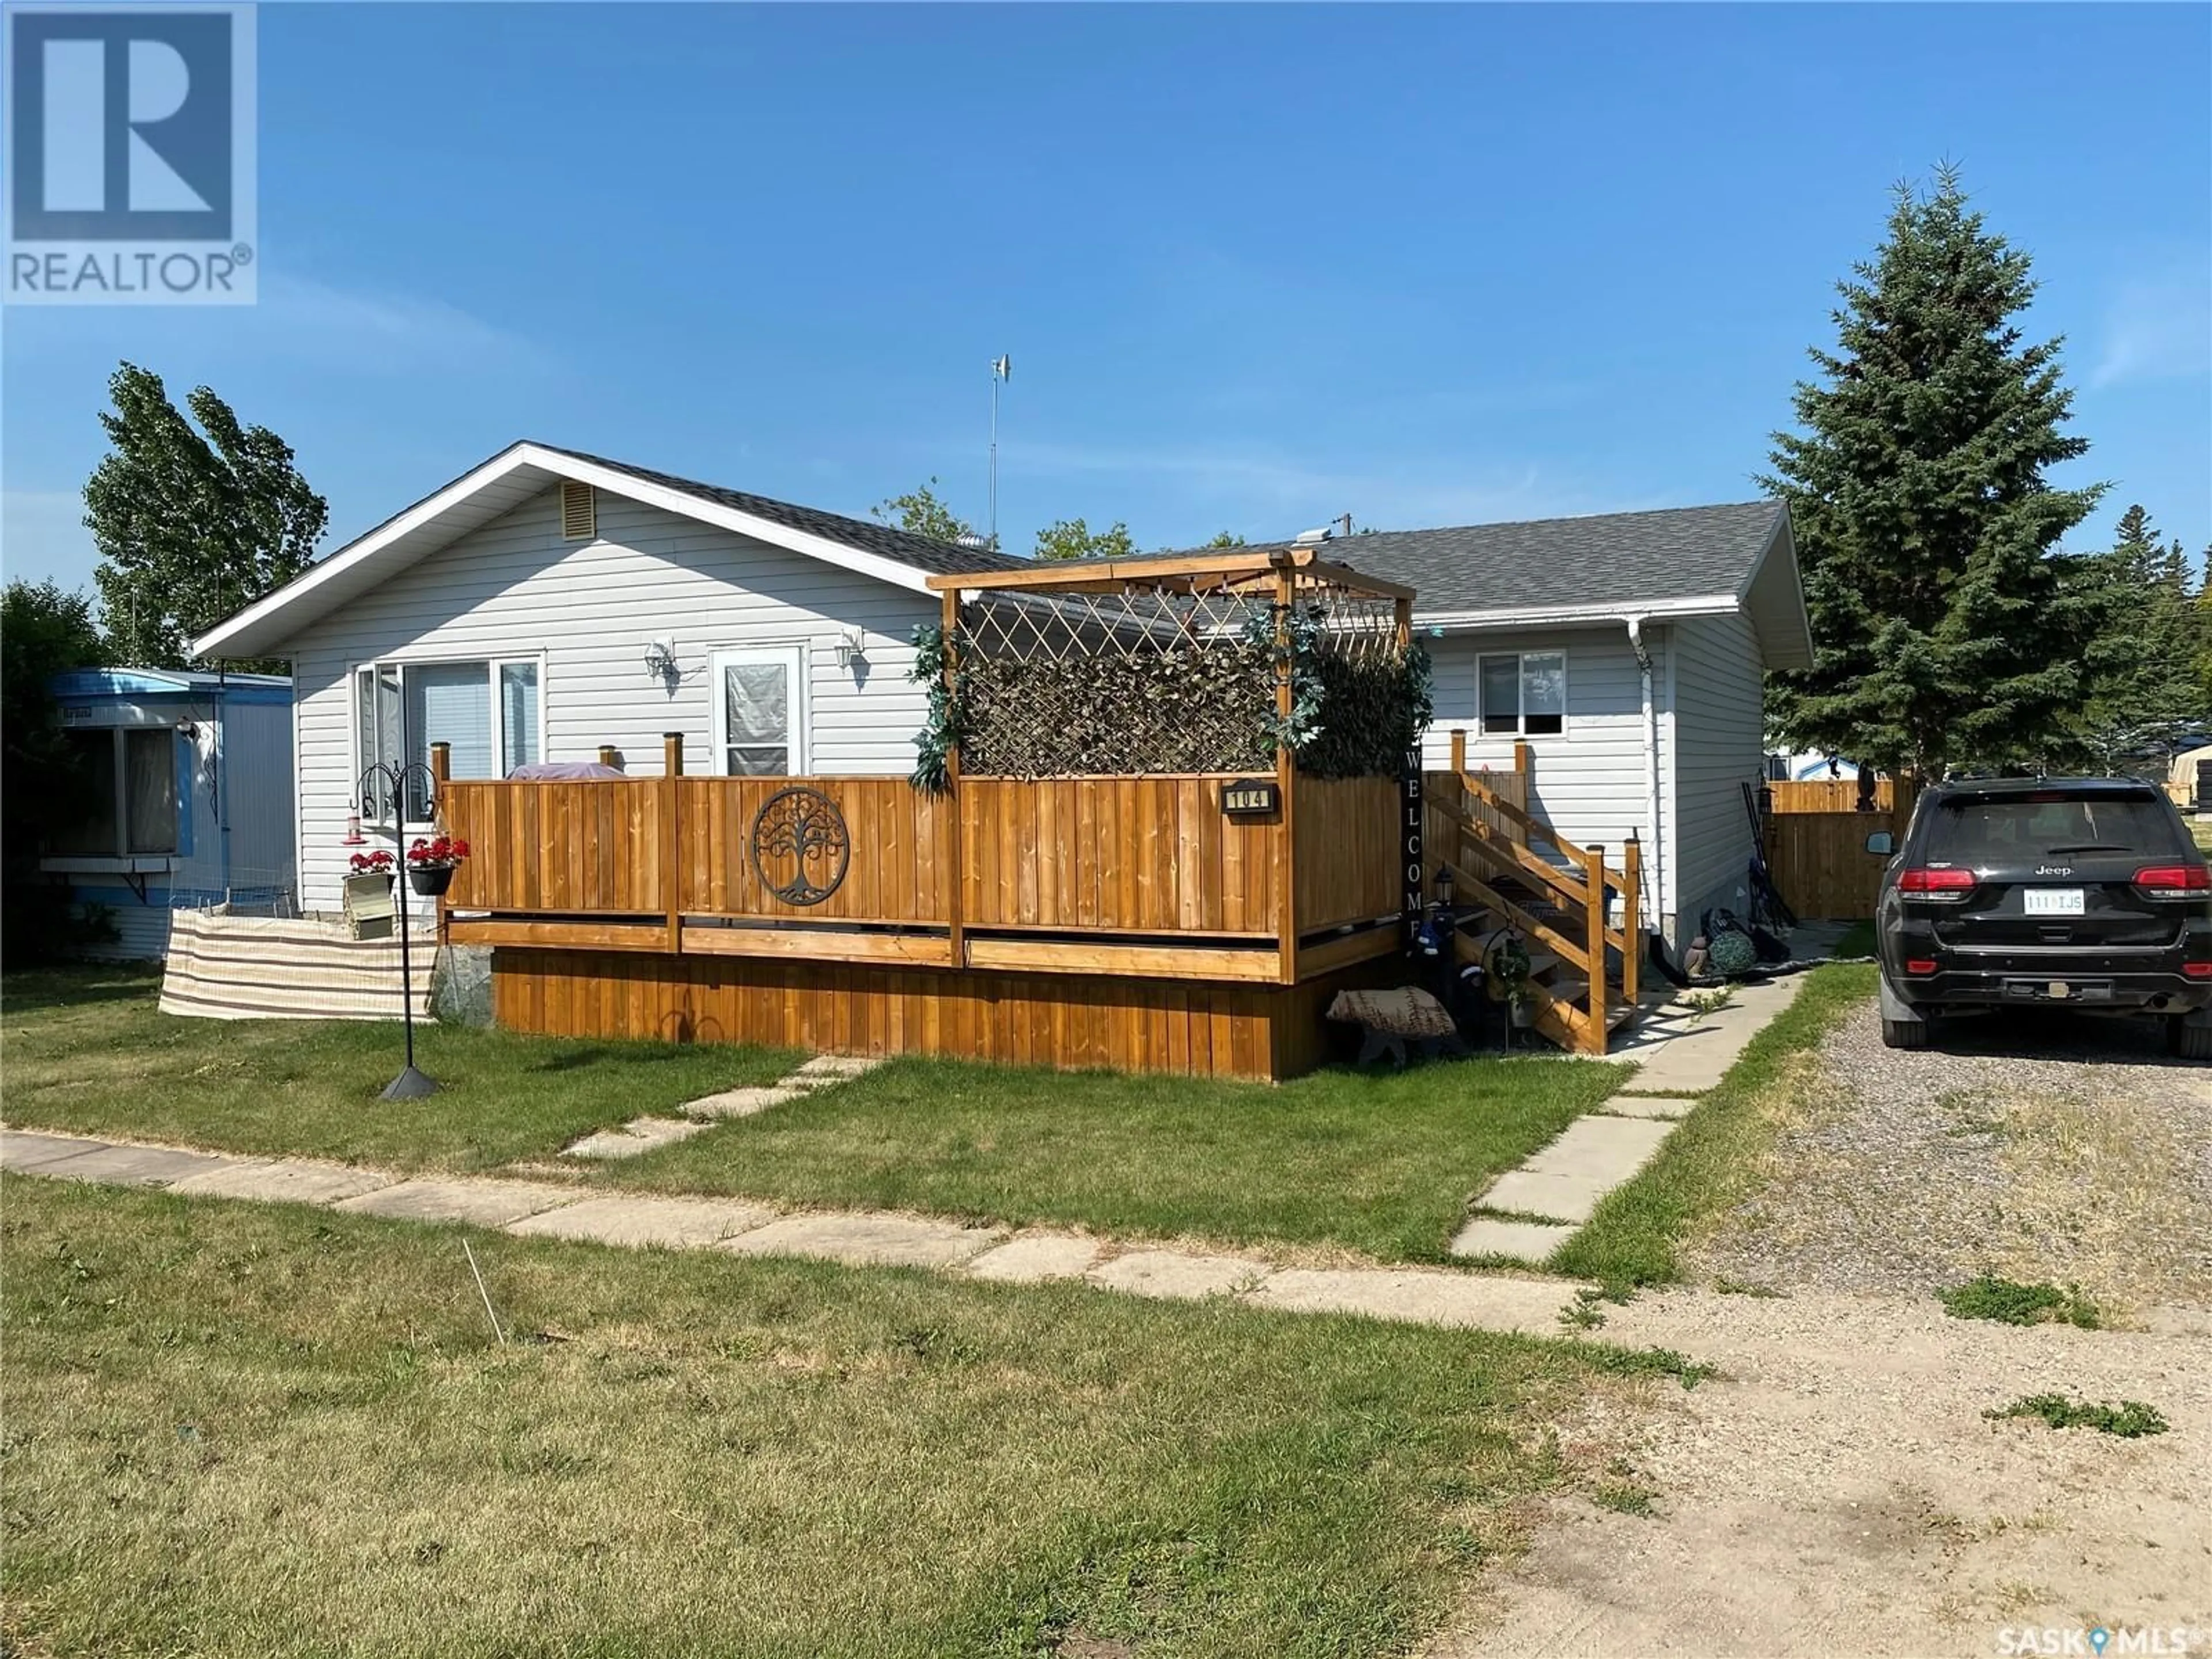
[660, 658]
[852, 647]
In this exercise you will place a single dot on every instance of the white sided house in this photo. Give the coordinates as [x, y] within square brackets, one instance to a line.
[549, 603]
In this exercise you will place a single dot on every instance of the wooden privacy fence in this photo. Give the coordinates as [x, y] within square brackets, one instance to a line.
[1826, 795]
[1138, 875]
[1818, 860]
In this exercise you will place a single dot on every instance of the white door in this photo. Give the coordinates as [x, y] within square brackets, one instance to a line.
[760, 711]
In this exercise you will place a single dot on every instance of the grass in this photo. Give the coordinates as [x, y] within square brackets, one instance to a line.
[2130, 1420]
[1381, 1164]
[2201, 829]
[253, 1430]
[2007, 1303]
[1710, 1162]
[86, 1051]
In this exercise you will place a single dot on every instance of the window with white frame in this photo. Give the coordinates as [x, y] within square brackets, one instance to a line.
[488, 711]
[760, 712]
[1524, 693]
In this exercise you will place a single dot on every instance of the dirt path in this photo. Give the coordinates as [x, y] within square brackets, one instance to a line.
[1839, 1490]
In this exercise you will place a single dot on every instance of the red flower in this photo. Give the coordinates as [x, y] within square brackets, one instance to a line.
[378, 863]
[437, 853]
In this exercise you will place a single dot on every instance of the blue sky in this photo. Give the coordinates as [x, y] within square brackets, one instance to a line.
[1255, 266]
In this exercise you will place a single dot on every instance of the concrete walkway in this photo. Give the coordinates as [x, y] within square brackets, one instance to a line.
[1680, 1055]
[642, 1135]
[544, 1209]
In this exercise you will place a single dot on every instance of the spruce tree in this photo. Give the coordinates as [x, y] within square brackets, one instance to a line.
[1947, 633]
[2139, 682]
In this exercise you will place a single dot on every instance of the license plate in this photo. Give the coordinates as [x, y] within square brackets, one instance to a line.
[2054, 900]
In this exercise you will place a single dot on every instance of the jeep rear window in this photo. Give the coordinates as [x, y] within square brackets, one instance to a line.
[1995, 829]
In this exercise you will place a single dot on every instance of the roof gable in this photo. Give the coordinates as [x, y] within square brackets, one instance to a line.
[524, 469]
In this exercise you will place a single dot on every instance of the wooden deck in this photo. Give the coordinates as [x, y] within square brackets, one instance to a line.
[1098, 921]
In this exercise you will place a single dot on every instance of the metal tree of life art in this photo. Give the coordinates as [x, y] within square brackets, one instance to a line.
[800, 846]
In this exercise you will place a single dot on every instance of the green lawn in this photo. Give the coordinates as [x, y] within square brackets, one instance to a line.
[2201, 829]
[1382, 1164]
[1712, 1162]
[85, 1050]
[247, 1431]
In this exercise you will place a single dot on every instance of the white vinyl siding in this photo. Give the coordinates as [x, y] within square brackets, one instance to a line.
[1715, 731]
[1588, 780]
[586, 613]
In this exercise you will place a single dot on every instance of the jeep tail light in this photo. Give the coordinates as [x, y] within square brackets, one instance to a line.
[1938, 886]
[1919, 964]
[2174, 881]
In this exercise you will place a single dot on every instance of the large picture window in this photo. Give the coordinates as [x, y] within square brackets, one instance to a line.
[129, 776]
[488, 711]
[1524, 693]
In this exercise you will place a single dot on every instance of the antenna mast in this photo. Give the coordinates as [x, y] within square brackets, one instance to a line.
[1002, 369]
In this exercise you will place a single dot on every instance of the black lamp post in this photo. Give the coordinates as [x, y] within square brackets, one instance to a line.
[393, 777]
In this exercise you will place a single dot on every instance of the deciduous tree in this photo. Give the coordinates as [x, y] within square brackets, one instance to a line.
[193, 522]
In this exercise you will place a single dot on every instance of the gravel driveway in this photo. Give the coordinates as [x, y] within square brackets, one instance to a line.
[2055, 1148]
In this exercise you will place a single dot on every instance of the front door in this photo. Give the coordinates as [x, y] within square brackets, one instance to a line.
[760, 711]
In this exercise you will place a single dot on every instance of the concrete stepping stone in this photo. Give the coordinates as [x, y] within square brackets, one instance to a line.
[824, 1071]
[285, 1181]
[1036, 1257]
[741, 1102]
[867, 1241]
[1679, 1054]
[138, 1166]
[1458, 1301]
[1515, 1240]
[676, 1224]
[479, 1203]
[1173, 1273]
[1671, 1107]
[1565, 1180]
[640, 1134]
[26, 1149]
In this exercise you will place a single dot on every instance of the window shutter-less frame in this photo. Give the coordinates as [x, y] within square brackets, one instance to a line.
[579, 515]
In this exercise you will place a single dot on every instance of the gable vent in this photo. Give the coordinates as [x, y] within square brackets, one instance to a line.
[579, 519]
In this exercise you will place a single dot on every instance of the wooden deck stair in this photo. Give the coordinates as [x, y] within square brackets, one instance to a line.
[1583, 972]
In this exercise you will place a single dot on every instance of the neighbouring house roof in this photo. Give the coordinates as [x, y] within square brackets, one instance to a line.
[522, 471]
[84, 684]
[1738, 559]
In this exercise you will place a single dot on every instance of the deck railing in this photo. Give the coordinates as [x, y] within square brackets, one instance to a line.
[1511, 864]
[1144, 875]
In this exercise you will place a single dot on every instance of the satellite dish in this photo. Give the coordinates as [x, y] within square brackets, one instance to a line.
[1002, 367]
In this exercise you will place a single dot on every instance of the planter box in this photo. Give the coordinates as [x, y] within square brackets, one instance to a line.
[368, 907]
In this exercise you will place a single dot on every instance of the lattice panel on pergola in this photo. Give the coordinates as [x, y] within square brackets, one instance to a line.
[1173, 676]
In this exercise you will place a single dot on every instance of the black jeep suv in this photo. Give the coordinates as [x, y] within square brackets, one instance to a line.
[2056, 892]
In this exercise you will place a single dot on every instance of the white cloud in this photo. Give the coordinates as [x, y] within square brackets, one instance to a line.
[299, 321]
[2157, 328]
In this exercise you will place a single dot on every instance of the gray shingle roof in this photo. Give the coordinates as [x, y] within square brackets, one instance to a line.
[1609, 558]
[938, 558]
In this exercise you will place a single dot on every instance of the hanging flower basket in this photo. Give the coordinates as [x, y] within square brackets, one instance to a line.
[431, 864]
